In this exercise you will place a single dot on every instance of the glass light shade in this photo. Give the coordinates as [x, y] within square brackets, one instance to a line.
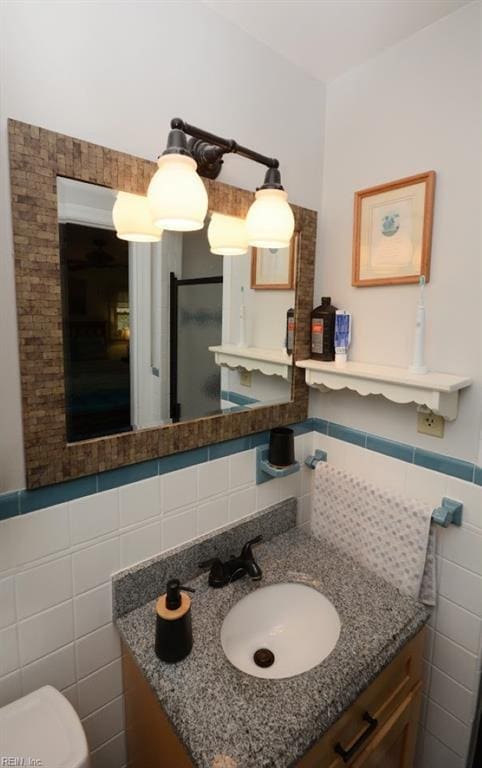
[177, 197]
[270, 222]
[132, 219]
[227, 235]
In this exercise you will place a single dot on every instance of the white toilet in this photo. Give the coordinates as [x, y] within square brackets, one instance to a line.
[43, 729]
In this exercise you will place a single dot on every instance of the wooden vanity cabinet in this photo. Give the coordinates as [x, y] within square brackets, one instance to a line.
[393, 701]
[377, 731]
[151, 739]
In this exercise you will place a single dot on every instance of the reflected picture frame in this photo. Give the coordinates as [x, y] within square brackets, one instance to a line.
[274, 269]
[392, 232]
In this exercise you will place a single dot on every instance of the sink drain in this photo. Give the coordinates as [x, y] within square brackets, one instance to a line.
[263, 657]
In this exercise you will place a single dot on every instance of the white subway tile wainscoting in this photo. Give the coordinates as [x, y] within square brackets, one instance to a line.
[55, 584]
[453, 651]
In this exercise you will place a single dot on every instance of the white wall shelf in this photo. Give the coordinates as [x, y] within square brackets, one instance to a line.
[437, 391]
[271, 362]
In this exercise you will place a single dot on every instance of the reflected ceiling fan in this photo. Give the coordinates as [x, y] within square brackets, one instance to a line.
[97, 258]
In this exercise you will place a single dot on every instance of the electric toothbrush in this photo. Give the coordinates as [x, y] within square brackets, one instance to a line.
[418, 365]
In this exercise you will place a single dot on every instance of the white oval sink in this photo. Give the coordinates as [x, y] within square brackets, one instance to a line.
[294, 622]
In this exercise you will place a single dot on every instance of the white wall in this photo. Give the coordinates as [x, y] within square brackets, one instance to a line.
[116, 77]
[414, 108]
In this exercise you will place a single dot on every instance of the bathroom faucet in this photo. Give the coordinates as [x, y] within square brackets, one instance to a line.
[235, 568]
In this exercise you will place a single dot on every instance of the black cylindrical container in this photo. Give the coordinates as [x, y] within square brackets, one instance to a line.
[281, 447]
[173, 624]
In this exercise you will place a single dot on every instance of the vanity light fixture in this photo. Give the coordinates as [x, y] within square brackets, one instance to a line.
[178, 200]
[270, 222]
[177, 197]
[132, 219]
[227, 235]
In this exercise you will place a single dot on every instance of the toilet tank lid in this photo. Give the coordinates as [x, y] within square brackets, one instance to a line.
[43, 726]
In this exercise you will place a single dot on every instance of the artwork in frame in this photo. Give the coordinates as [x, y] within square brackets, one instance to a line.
[273, 269]
[392, 232]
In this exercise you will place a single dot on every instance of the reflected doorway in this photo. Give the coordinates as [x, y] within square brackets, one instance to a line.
[95, 297]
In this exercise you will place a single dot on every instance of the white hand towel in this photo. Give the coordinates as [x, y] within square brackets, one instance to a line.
[388, 533]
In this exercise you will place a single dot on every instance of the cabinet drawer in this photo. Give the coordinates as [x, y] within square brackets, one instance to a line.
[394, 744]
[378, 702]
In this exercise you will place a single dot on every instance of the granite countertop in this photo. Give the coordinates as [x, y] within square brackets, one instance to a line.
[227, 719]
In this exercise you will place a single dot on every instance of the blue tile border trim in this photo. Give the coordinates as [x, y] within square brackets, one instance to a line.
[445, 464]
[320, 425]
[29, 501]
[9, 504]
[21, 502]
[347, 434]
[390, 448]
[114, 478]
[260, 438]
[183, 460]
[478, 475]
[438, 462]
[219, 450]
[237, 398]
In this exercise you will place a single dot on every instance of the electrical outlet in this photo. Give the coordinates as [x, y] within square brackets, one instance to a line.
[245, 378]
[428, 423]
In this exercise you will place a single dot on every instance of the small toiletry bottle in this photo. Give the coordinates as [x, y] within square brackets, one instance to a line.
[323, 330]
[342, 335]
[173, 623]
[290, 330]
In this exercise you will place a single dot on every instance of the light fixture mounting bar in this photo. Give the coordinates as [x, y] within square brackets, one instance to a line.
[208, 149]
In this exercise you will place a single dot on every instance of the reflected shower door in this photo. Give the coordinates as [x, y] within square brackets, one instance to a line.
[196, 325]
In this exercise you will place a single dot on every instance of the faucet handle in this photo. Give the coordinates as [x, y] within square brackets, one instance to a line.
[217, 574]
[246, 552]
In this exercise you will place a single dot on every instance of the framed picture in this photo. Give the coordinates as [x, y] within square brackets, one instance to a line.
[392, 232]
[273, 269]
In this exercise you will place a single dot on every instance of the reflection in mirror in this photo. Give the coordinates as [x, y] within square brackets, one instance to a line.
[165, 330]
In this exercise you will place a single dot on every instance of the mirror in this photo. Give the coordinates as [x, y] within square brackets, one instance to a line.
[161, 332]
[43, 164]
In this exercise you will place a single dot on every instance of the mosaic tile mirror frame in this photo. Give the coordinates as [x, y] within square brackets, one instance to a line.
[37, 157]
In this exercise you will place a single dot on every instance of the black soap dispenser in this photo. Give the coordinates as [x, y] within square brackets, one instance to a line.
[173, 623]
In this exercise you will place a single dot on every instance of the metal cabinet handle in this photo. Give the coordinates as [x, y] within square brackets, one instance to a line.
[347, 754]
